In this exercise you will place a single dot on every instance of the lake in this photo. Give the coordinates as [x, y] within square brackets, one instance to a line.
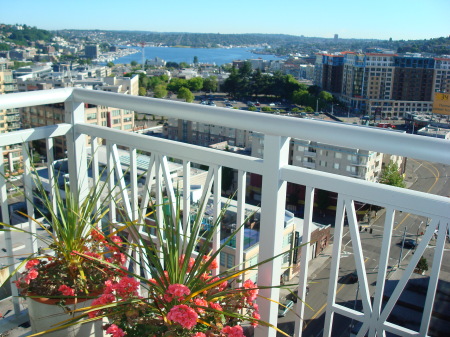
[217, 56]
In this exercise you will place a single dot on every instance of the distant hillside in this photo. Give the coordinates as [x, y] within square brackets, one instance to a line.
[25, 36]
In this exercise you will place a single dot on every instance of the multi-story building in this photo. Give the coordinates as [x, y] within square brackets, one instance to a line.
[356, 163]
[329, 71]
[120, 119]
[9, 118]
[441, 80]
[91, 51]
[205, 134]
[386, 84]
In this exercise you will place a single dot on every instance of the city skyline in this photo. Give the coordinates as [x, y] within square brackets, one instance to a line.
[399, 20]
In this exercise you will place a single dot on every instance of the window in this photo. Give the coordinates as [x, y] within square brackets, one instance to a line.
[286, 258]
[127, 127]
[115, 113]
[336, 166]
[91, 116]
[116, 121]
[338, 155]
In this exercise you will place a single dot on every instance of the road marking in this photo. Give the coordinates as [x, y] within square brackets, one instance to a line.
[323, 306]
[436, 178]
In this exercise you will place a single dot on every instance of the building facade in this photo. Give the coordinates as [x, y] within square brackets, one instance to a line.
[384, 84]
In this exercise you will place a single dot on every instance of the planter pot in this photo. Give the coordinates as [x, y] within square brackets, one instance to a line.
[45, 314]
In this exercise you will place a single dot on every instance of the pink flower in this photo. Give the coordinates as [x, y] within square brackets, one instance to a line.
[199, 334]
[178, 290]
[30, 264]
[255, 315]
[116, 239]
[97, 236]
[66, 291]
[235, 331]
[202, 303]
[104, 299]
[115, 331]
[215, 306]
[32, 274]
[126, 287]
[183, 315]
[252, 293]
[213, 265]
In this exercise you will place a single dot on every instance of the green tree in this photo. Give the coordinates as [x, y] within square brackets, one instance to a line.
[195, 59]
[195, 84]
[142, 91]
[309, 109]
[184, 65]
[133, 63]
[210, 84]
[160, 91]
[326, 96]
[176, 84]
[267, 109]
[391, 176]
[172, 65]
[422, 265]
[110, 64]
[185, 93]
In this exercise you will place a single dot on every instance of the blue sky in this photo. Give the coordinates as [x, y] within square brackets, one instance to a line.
[382, 19]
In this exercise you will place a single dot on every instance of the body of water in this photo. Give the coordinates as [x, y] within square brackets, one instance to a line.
[217, 56]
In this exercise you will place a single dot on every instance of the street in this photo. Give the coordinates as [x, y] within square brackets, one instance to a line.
[422, 176]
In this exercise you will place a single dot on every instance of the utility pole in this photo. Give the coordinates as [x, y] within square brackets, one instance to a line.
[401, 250]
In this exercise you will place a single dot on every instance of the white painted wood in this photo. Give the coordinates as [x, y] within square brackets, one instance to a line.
[276, 152]
[335, 261]
[186, 197]
[434, 277]
[76, 150]
[217, 208]
[240, 217]
[304, 258]
[382, 272]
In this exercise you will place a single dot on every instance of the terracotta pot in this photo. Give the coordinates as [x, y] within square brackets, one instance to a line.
[45, 314]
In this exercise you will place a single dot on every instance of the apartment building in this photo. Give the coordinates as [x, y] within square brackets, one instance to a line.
[356, 163]
[329, 71]
[206, 134]
[9, 118]
[120, 119]
[386, 84]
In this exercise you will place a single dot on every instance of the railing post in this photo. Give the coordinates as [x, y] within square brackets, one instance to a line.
[276, 151]
[304, 258]
[76, 149]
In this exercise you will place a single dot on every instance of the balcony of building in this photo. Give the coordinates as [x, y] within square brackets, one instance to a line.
[374, 309]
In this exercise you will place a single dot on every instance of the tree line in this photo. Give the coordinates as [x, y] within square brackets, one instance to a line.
[246, 83]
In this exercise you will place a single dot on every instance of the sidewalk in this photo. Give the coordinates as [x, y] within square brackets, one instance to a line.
[315, 266]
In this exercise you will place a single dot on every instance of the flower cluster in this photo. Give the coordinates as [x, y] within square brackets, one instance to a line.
[83, 272]
[212, 306]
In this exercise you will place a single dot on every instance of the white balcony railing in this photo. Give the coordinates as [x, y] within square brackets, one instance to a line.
[275, 172]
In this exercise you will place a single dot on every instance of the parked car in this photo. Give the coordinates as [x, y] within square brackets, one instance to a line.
[410, 243]
[353, 277]
[284, 307]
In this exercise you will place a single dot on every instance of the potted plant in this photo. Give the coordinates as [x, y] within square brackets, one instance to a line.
[61, 276]
[182, 298]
